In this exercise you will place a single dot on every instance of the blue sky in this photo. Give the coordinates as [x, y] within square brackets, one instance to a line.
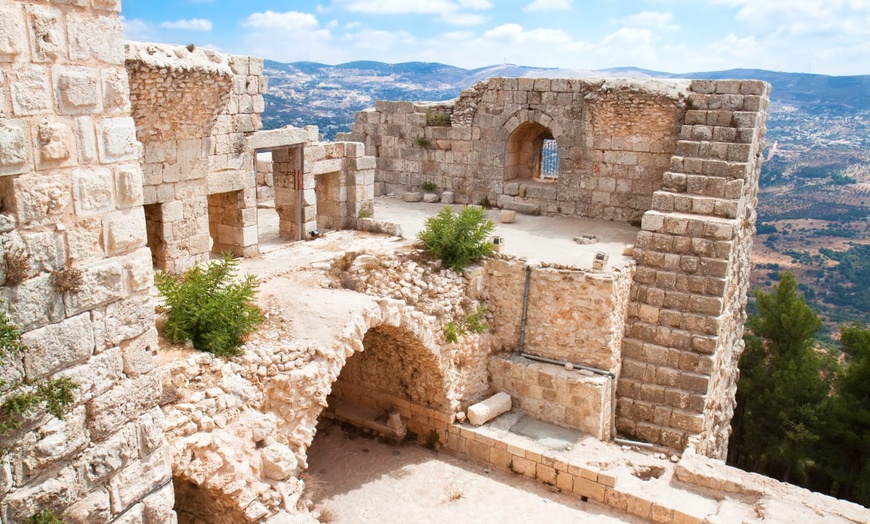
[679, 36]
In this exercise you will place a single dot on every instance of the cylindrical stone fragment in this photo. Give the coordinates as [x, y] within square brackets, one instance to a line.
[483, 412]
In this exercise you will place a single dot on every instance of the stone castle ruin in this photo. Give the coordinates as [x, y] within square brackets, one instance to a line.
[116, 159]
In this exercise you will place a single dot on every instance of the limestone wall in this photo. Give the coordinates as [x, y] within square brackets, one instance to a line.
[573, 315]
[71, 192]
[194, 109]
[615, 139]
[572, 399]
[685, 320]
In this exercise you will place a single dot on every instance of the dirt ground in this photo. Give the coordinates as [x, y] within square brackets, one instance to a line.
[360, 480]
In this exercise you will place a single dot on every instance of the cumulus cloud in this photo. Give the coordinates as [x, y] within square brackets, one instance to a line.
[652, 19]
[447, 11]
[136, 30]
[193, 24]
[288, 36]
[549, 5]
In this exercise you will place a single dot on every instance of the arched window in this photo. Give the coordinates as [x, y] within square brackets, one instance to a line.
[532, 154]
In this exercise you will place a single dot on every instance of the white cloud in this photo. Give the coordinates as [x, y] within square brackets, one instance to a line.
[549, 5]
[290, 36]
[448, 11]
[193, 24]
[289, 21]
[516, 33]
[475, 4]
[653, 19]
[397, 6]
[136, 30]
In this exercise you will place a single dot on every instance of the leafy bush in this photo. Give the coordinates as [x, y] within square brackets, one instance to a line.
[429, 187]
[20, 399]
[422, 141]
[474, 322]
[208, 308]
[451, 331]
[458, 239]
[44, 517]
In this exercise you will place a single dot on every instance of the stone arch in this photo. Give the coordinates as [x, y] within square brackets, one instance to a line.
[525, 135]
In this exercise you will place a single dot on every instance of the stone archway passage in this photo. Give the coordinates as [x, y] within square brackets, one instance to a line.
[524, 158]
[196, 505]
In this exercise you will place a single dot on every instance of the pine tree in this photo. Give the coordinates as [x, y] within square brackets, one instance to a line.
[781, 387]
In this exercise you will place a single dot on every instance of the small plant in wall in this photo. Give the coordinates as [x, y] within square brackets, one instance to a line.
[21, 399]
[473, 322]
[422, 141]
[458, 239]
[208, 307]
[429, 187]
[43, 517]
[67, 280]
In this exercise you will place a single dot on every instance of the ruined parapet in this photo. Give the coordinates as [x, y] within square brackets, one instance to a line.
[71, 191]
[316, 185]
[194, 109]
[610, 142]
[684, 333]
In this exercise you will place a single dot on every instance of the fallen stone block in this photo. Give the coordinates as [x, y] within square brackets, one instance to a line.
[483, 412]
[524, 208]
[413, 196]
[447, 197]
[508, 216]
[430, 198]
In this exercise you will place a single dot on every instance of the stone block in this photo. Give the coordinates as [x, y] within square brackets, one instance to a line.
[447, 197]
[124, 230]
[92, 509]
[77, 90]
[122, 403]
[96, 38]
[128, 318]
[507, 216]
[86, 142]
[151, 428]
[58, 346]
[61, 489]
[32, 303]
[55, 142]
[15, 148]
[483, 412]
[430, 198]
[13, 35]
[47, 34]
[139, 355]
[102, 282]
[93, 191]
[100, 373]
[31, 91]
[128, 186]
[413, 196]
[523, 207]
[140, 478]
[117, 140]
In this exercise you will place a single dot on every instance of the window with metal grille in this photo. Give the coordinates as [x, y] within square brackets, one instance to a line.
[549, 160]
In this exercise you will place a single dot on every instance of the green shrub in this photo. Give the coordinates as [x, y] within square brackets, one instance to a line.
[451, 331]
[429, 187]
[364, 213]
[20, 399]
[44, 517]
[208, 308]
[422, 141]
[458, 239]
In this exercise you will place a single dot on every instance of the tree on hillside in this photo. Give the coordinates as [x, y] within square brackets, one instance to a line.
[782, 385]
[845, 456]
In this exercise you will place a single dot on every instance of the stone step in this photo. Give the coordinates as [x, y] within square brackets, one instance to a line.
[703, 185]
[667, 202]
[705, 149]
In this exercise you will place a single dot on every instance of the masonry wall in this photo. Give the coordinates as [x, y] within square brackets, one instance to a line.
[615, 139]
[685, 320]
[573, 315]
[194, 109]
[71, 193]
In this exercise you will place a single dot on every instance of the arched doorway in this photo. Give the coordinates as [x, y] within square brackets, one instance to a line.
[532, 154]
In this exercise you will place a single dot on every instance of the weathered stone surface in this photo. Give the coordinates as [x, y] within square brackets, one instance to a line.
[126, 400]
[279, 462]
[43, 199]
[93, 191]
[140, 478]
[15, 151]
[58, 346]
[93, 509]
[13, 39]
[77, 90]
